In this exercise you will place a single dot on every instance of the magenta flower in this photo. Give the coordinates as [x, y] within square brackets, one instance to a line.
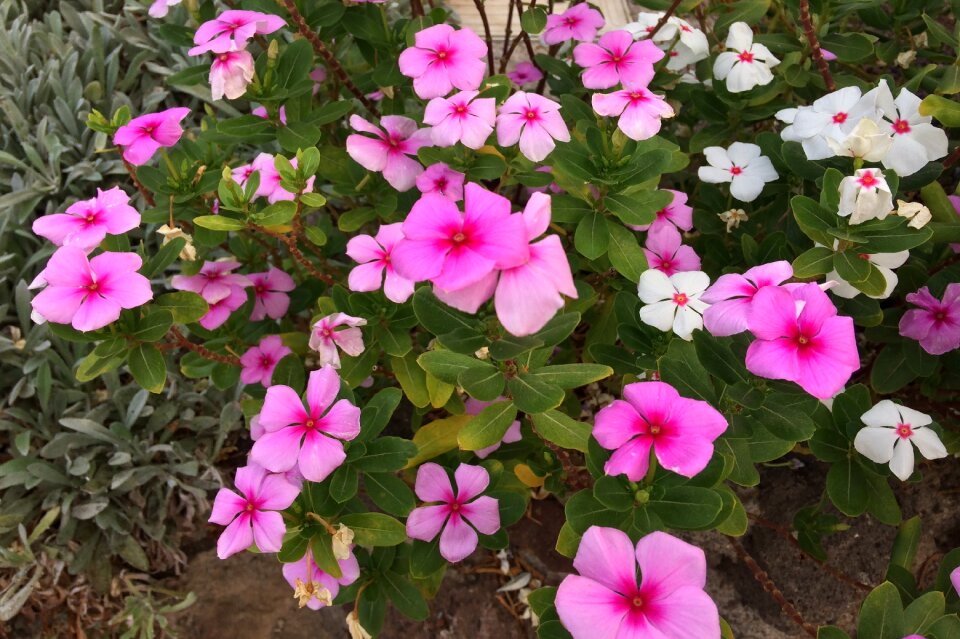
[269, 187]
[679, 430]
[605, 601]
[443, 58]
[90, 294]
[261, 112]
[230, 73]
[534, 121]
[316, 588]
[640, 110]
[453, 250]
[214, 282]
[800, 338]
[326, 339]
[441, 179]
[474, 407]
[270, 297]
[308, 438]
[250, 517]
[390, 150]
[955, 579]
[580, 22]
[259, 361]
[525, 73]
[373, 255]
[232, 30]
[666, 252]
[87, 222]
[731, 295]
[617, 58]
[456, 514]
[936, 324]
[219, 311]
[461, 118]
[676, 213]
[142, 136]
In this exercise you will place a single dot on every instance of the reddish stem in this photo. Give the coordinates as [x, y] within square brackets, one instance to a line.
[815, 45]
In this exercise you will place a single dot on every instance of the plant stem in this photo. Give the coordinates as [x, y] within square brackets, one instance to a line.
[132, 172]
[479, 4]
[180, 340]
[815, 45]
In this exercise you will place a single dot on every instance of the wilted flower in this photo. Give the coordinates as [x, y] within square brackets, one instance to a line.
[917, 213]
[864, 196]
[326, 339]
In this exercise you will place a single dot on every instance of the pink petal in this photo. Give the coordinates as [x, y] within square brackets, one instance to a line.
[322, 389]
[341, 421]
[483, 513]
[589, 610]
[68, 266]
[632, 459]
[281, 407]
[825, 367]
[366, 277]
[774, 359]
[397, 289]
[424, 523]
[686, 613]
[268, 530]
[363, 248]
[653, 400]
[401, 171]
[772, 313]
[471, 481]
[277, 451]
[236, 538]
[433, 484]
[95, 312]
[319, 456]
[458, 540]
[226, 505]
[58, 304]
[668, 563]
[606, 555]
[368, 152]
[728, 317]
[276, 493]
[616, 424]
[462, 267]
[472, 297]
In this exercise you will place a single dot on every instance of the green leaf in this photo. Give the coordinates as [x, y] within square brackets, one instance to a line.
[813, 262]
[321, 547]
[219, 223]
[375, 529]
[787, 416]
[486, 166]
[851, 267]
[561, 429]
[153, 326]
[831, 632]
[681, 368]
[488, 427]
[148, 367]
[625, 253]
[385, 454]
[533, 395]
[447, 365]
[276, 214]
[437, 317]
[592, 237]
[298, 135]
[813, 219]
[881, 615]
[848, 47]
[437, 438]
[389, 493]
[923, 612]
[186, 307]
[887, 238]
[945, 110]
[511, 346]
[164, 258]
[483, 383]
[637, 208]
[718, 359]
[252, 129]
[847, 488]
[533, 20]
[289, 372]
[611, 492]
[572, 375]
[294, 64]
[891, 371]
[404, 596]
[584, 510]
[412, 379]
[687, 507]
[344, 483]
[906, 542]
[377, 412]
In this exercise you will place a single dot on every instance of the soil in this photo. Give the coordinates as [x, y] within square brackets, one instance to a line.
[246, 597]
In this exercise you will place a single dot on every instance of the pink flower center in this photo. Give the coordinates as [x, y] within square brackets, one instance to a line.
[867, 180]
[460, 109]
[638, 96]
[531, 115]
[261, 289]
[455, 506]
[91, 218]
[863, 256]
[441, 184]
[442, 54]
[685, 28]
[901, 126]
[459, 238]
[250, 507]
[745, 56]
[394, 141]
[680, 299]
[940, 316]
[736, 170]
[266, 362]
[223, 57]
[904, 431]
[840, 118]
[326, 332]
[674, 54]
[310, 423]
[802, 340]
[570, 21]
[637, 602]
[665, 266]
[93, 286]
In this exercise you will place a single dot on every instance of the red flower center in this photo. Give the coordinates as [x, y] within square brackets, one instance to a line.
[736, 170]
[460, 109]
[617, 57]
[745, 56]
[637, 602]
[638, 96]
[441, 54]
[91, 218]
[867, 180]
[249, 507]
[665, 266]
[802, 340]
[940, 316]
[530, 114]
[261, 289]
[455, 506]
[266, 362]
[840, 118]
[863, 256]
[441, 184]
[680, 299]
[310, 423]
[459, 238]
[570, 22]
[93, 286]
[904, 431]
[901, 126]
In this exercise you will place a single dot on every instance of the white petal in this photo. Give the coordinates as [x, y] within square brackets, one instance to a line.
[876, 444]
[687, 321]
[654, 286]
[746, 188]
[885, 413]
[744, 76]
[915, 418]
[690, 282]
[743, 153]
[713, 175]
[717, 156]
[840, 286]
[902, 462]
[890, 260]
[927, 442]
[659, 315]
[724, 63]
[740, 36]
[762, 168]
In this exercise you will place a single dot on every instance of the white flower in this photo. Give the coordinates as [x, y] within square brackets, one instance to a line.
[691, 47]
[832, 117]
[742, 166]
[673, 302]
[864, 196]
[747, 64]
[917, 213]
[884, 262]
[788, 116]
[732, 218]
[866, 142]
[915, 140]
[890, 431]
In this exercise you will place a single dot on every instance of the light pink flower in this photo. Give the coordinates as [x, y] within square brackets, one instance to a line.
[955, 579]
[270, 297]
[639, 109]
[453, 250]
[666, 252]
[605, 601]
[373, 255]
[214, 282]
[731, 295]
[679, 430]
[87, 222]
[142, 136]
[261, 112]
[800, 338]
[457, 514]
[259, 361]
[936, 324]
[617, 58]
[308, 572]
[160, 8]
[580, 22]
[440, 178]
[461, 118]
[89, 294]
[269, 178]
[829, 56]
[525, 73]
[232, 30]
[230, 73]
[390, 150]
[325, 338]
[474, 407]
[443, 58]
[677, 213]
[250, 517]
[220, 310]
[308, 438]
[534, 121]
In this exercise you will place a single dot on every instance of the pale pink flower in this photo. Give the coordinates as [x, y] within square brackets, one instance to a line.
[89, 294]
[605, 601]
[829, 56]
[440, 178]
[392, 150]
[617, 58]
[678, 213]
[221, 310]
[142, 136]
[459, 515]
[230, 73]
[955, 579]
[373, 255]
[639, 109]
[534, 121]
[261, 112]
[308, 573]
[87, 222]
[475, 407]
[270, 290]
[308, 438]
[936, 324]
[326, 339]
[580, 22]
[730, 296]
[270, 179]
[443, 58]
[251, 516]
[232, 30]
[318, 75]
[525, 73]
[666, 252]
[160, 8]
[461, 118]
[214, 282]
[259, 361]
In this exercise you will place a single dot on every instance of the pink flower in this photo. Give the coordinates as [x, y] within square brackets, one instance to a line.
[214, 282]
[955, 579]
[270, 297]
[325, 339]
[443, 58]
[679, 430]
[160, 8]
[676, 213]
[456, 514]
[580, 22]
[306, 438]
[731, 295]
[90, 294]
[666, 253]
[440, 178]
[617, 58]
[315, 580]
[800, 338]
[142, 136]
[605, 602]
[461, 118]
[232, 30]
[525, 73]
[269, 178]
[318, 76]
[230, 73]
[474, 407]
[390, 150]
[87, 222]
[259, 361]
[261, 112]
[639, 109]
[936, 324]
[453, 250]
[829, 56]
[220, 310]
[534, 121]
[373, 255]
[249, 516]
